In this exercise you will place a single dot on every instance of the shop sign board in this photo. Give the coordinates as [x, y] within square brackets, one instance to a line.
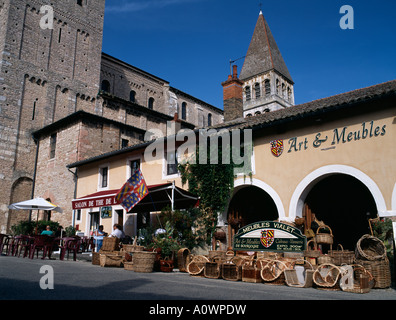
[269, 236]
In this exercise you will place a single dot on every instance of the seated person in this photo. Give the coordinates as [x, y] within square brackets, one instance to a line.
[117, 232]
[47, 231]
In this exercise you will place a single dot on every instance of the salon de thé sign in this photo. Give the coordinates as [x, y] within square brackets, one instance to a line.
[269, 236]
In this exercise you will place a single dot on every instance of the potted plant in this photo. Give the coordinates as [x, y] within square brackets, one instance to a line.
[167, 245]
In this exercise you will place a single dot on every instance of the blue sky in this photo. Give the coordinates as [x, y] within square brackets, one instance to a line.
[190, 42]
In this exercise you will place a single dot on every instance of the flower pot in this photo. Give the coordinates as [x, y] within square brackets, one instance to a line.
[166, 265]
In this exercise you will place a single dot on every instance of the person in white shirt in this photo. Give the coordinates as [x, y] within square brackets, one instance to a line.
[117, 232]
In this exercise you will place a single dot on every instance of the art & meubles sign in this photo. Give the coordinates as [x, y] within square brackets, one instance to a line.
[269, 236]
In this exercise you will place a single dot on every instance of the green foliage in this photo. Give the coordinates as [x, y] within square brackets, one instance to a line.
[213, 183]
[145, 236]
[70, 231]
[166, 241]
[29, 228]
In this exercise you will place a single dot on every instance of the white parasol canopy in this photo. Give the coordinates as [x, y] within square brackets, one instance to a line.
[35, 204]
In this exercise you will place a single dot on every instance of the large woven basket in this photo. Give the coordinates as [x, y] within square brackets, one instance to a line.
[342, 256]
[362, 280]
[197, 265]
[250, 273]
[132, 248]
[110, 244]
[370, 248]
[327, 276]
[273, 272]
[313, 252]
[292, 278]
[325, 258]
[111, 260]
[380, 270]
[324, 238]
[213, 270]
[183, 259]
[231, 272]
[143, 261]
[128, 265]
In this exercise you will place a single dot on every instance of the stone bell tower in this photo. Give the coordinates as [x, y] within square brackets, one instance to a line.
[267, 83]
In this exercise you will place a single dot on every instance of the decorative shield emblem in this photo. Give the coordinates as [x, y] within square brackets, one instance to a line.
[277, 147]
[267, 238]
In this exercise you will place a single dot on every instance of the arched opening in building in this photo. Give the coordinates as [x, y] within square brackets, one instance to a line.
[250, 204]
[344, 204]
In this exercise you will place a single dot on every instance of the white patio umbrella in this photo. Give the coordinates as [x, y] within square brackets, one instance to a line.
[35, 204]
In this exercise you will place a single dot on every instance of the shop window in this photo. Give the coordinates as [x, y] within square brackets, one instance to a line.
[52, 145]
[171, 163]
[134, 165]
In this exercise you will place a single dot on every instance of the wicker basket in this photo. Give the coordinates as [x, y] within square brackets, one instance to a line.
[197, 265]
[110, 244]
[111, 260]
[231, 272]
[342, 256]
[314, 252]
[380, 270]
[370, 248]
[324, 238]
[327, 276]
[217, 254]
[363, 280]
[292, 279]
[324, 258]
[183, 259]
[143, 261]
[128, 265]
[96, 258]
[213, 270]
[250, 272]
[273, 272]
[131, 248]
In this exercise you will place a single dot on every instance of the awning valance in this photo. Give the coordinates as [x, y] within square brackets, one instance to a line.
[159, 197]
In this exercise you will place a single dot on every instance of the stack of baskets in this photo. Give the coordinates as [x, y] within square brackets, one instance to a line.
[110, 247]
[128, 250]
[371, 254]
[109, 254]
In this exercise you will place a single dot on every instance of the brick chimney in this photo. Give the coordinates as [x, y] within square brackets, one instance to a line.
[232, 96]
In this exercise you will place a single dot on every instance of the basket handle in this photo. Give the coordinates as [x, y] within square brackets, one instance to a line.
[315, 244]
[305, 261]
[322, 227]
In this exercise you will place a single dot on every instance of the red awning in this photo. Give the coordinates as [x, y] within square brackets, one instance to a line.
[159, 197]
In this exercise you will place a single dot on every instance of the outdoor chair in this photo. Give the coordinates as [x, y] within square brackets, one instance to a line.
[44, 243]
[70, 244]
[14, 246]
[25, 243]
[3, 242]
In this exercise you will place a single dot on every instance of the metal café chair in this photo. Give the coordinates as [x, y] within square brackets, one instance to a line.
[44, 243]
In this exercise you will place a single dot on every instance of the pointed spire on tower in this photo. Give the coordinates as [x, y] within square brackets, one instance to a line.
[263, 54]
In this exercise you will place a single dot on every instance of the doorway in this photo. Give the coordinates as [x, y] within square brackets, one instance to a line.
[248, 205]
[344, 204]
[94, 221]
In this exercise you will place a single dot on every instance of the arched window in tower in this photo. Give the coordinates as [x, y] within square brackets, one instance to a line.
[79, 2]
[132, 96]
[151, 103]
[257, 90]
[105, 86]
[267, 85]
[184, 111]
[289, 94]
[209, 119]
[283, 90]
[248, 93]
[277, 86]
